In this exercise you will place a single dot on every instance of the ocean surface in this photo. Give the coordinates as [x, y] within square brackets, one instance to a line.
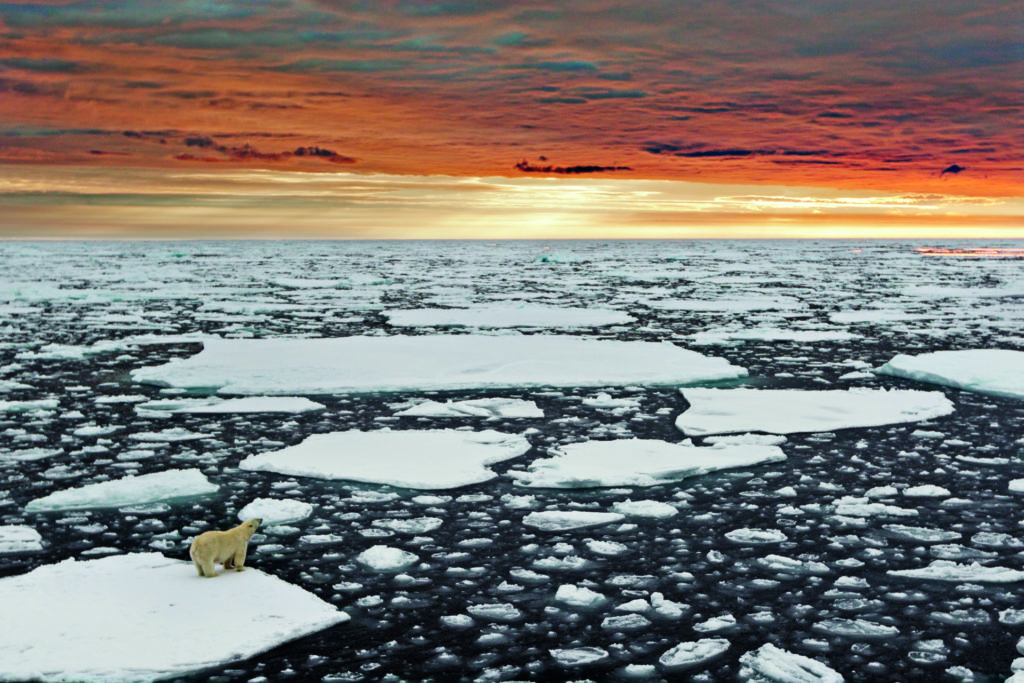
[76, 319]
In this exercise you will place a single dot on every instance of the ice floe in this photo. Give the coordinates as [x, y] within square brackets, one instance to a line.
[691, 654]
[770, 664]
[18, 538]
[479, 407]
[217, 406]
[579, 596]
[400, 363]
[579, 656]
[131, 490]
[785, 411]
[554, 520]
[526, 315]
[275, 511]
[636, 462]
[710, 337]
[944, 570]
[53, 627]
[383, 558]
[416, 459]
[999, 372]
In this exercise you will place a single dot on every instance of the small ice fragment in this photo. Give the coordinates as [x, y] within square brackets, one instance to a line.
[382, 558]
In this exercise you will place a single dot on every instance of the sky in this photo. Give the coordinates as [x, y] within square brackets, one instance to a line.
[499, 119]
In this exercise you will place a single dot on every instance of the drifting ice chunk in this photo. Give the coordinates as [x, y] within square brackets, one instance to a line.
[276, 510]
[169, 435]
[575, 519]
[756, 536]
[688, 655]
[851, 506]
[363, 364]
[28, 406]
[579, 596]
[645, 508]
[427, 459]
[919, 534]
[925, 491]
[158, 631]
[999, 372]
[770, 334]
[855, 629]
[216, 406]
[579, 656]
[636, 462]
[770, 664]
[943, 570]
[507, 316]
[19, 539]
[381, 558]
[132, 490]
[788, 411]
[479, 407]
[417, 525]
[495, 612]
[1017, 486]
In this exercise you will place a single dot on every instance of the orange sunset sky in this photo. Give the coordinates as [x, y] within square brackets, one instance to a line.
[493, 119]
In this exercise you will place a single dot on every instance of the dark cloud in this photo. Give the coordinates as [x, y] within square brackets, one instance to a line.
[247, 152]
[44, 65]
[527, 167]
[954, 169]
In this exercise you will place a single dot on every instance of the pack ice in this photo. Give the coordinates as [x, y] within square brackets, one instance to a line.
[415, 459]
[636, 462]
[130, 490]
[402, 363]
[988, 371]
[526, 315]
[144, 617]
[789, 411]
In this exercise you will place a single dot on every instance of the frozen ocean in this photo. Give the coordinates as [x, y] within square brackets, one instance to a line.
[514, 461]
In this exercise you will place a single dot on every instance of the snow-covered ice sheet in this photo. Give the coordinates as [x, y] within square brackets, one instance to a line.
[416, 459]
[131, 490]
[402, 363]
[477, 407]
[999, 372]
[788, 411]
[18, 538]
[145, 617]
[636, 462]
[526, 315]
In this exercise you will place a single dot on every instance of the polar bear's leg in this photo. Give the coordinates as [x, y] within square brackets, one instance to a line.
[239, 560]
[229, 563]
[199, 567]
[206, 568]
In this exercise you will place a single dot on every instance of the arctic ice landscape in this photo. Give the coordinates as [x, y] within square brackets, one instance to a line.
[522, 461]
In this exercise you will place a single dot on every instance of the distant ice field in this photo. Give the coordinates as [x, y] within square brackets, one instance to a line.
[599, 461]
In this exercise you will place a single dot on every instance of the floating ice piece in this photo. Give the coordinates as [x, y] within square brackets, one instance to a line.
[415, 525]
[28, 406]
[607, 548]
[851, 506]
[54, 630]
[27, 454]
[499, 611]
[756, 536]
[770, 334]
[556, 520]
[401, 363]
[855, 629]
[788, 565]
[770, 664]
[131, 490]
[734, 305]
[999, 372]
[579, 596]
[920, 534]
[216, 406]
[636, 462]
[604, 400]
[579, 656]
[1017, 486]
[646, 508]
[526, 315]
[689, 655]
[625, 622]
[170, 435]
[479, 407]
[381, 558]
[70, 352]
[746, 440]
[944, 570]
[925, 491]
[275, 511]
[788, 411]
[415, 459]
[19, 539]
[725, 622]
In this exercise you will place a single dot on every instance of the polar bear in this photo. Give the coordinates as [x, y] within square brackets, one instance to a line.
[223, 547]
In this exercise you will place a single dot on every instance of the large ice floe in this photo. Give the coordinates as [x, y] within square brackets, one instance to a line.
[415, 459]
[557, 520]
[770, 664]
[404, 363]
[999, 372]
[159, 621]
[507, 316]
[19, 539]
[476, 407]
[789, 411]
[217, 406]
[636, 462]
[131, 490]
[944, 570]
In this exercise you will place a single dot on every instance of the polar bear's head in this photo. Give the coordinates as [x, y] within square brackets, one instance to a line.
[251, 525]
